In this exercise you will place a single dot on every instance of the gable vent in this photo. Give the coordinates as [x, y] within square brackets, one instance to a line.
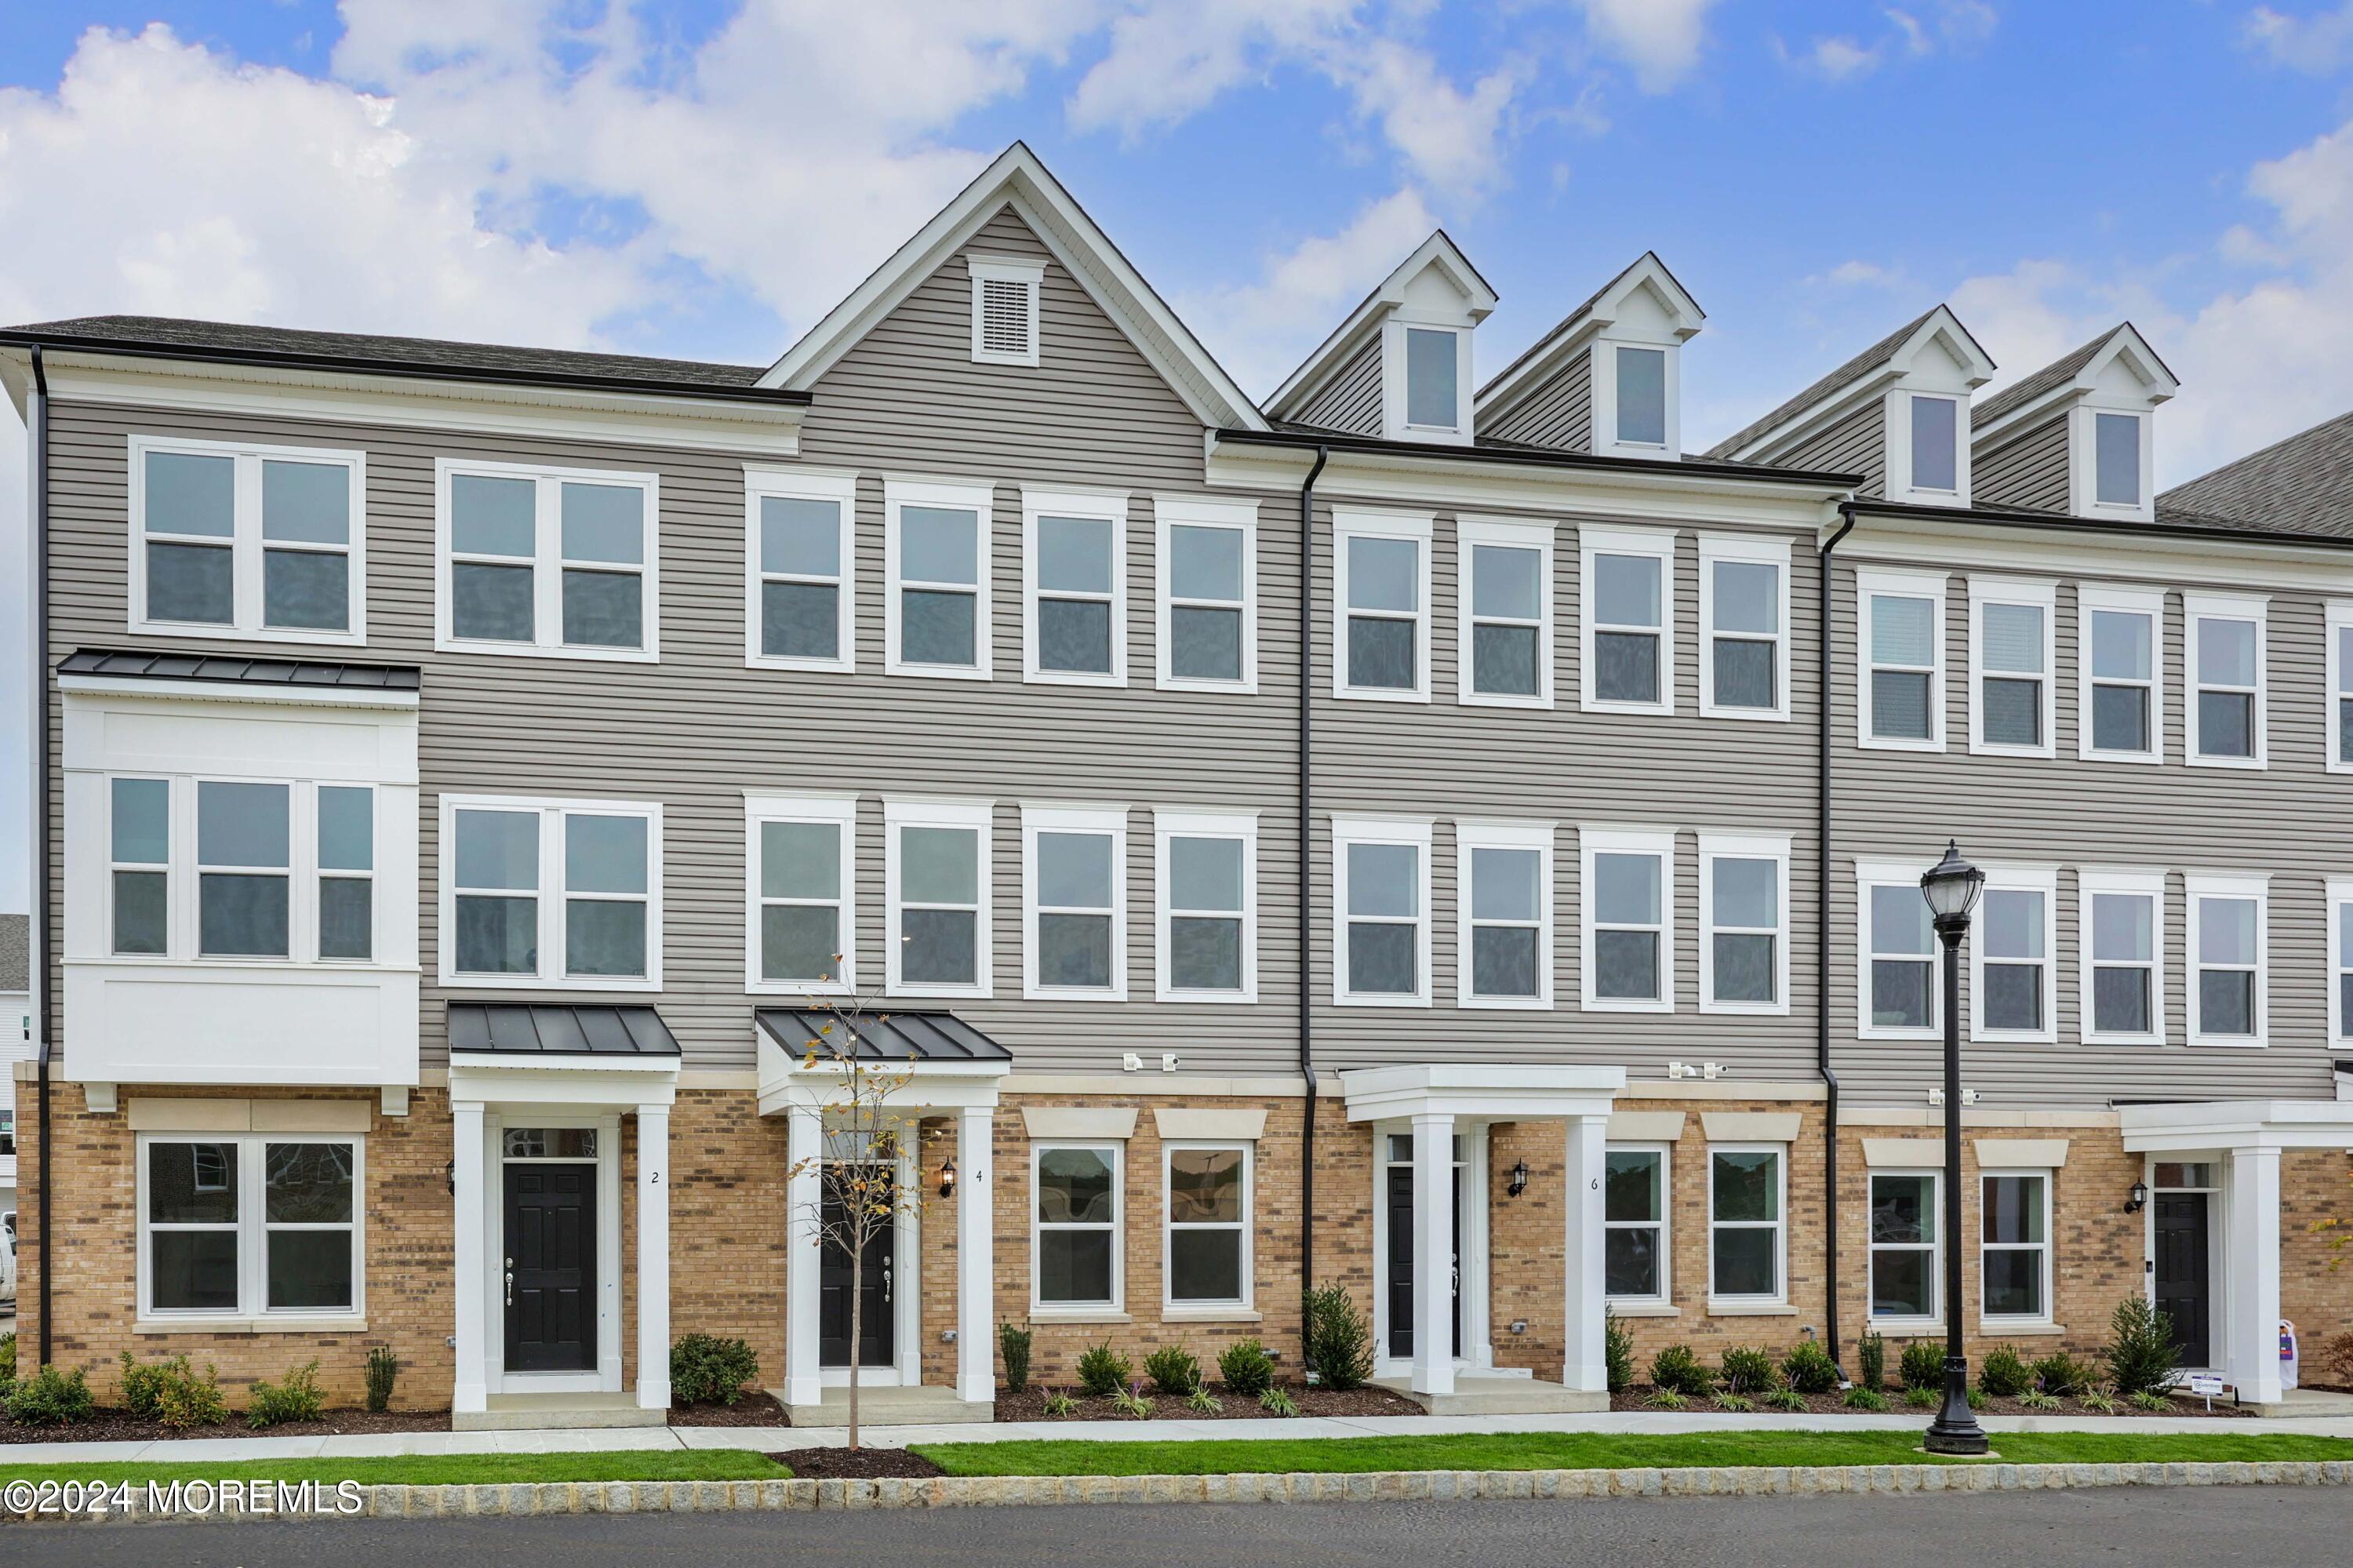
[1004, 310]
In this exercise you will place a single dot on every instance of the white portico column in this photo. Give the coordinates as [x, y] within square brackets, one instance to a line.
[1585, 1367]
[804, 1146]
[975, 1258]
[653, 1257]
[1433, 1253]
[2252, 1361]
[471, 1390]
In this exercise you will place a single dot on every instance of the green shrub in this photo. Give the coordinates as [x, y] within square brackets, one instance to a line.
[1201, 1402]
[170, 1393]
[1059, 1404]
[1618, 1352]
[1339, 1338]
[50, 1398]
[1738, 1404]
[1921, 1398]
[1131, 1403]
[298, 1398]
[2062, 1376]
[1862, 1398]
[2035, 1399]
[1246, 1369]
[1872, 1358]
[383, 1366]
[1173, 1371]
[1748, 1371]
[1667, 1399]
[1104, 1370]
[1787, 1399]
[1811, 1369]
[2098, 1400]
[2149, 1399]
[1275, 1402]
[2005, 1374]
[707, 1370]
[143, 1387]
[1923, 1365]
[2140, 1348]
[1013, 1344]
[8, 1357]
[1976, 1397]
[1677, 1369]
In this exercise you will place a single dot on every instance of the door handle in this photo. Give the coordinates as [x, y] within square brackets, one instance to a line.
[886, 1280]
[509, 1282]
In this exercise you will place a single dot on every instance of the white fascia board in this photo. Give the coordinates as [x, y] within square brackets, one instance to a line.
[1301, 384]
[2142, 556]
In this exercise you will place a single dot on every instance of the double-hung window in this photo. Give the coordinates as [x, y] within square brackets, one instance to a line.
[1381, 892]
[1074, 908]
[249, 1226]
[935, 566]
[800, 569]
[936, 873]
[1903, 1246]
[346, 884]
[800, 853]
[1746, 1242]
[1627, 952]
[247, 540]
[1504, 651]
[2339, 696]
[2123, 945]
[2230, 958]
[1074, 1238]
[1504, 914]
[2013, 992]
[554, 561]
[2014, 1255]
[245, 848]
[2010, 657]
[1744, 898]
[1074, 587]
[551, 894]
[2120, 701]
[1206, 907]
[1900, 624]
[1744, 617]
[140, 833]
[1381, 637]
[1898, 960]
[1207, 1257]
[1629, 657]
[1634, 1223]
[1206, 620]
[2225, 655]
[2341, 959]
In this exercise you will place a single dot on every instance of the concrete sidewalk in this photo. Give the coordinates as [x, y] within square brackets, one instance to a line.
[773, 1439]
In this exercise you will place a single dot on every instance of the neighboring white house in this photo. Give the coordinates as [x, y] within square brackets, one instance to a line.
[16, 1045]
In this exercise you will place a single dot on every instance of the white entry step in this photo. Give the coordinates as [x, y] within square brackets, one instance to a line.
[1480, 1394]
[543, 1412]
[888, 1407]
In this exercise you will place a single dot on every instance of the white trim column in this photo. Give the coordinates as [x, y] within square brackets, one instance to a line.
[653, 1257]
[1433, 1252]
[1584, 1173]
[2253, 1249]
[975, 1258]
[471, 1389]
[804, 1148]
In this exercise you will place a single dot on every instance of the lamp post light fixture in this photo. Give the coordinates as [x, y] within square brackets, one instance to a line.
[1951, 887]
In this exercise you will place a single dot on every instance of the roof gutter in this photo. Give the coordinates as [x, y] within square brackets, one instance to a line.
[1322, 441]
[36, 668]
[2060, 522]
[1822, 948]
[1306, 811]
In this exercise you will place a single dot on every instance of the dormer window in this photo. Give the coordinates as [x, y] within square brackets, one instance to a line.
[1005, 309]
[1643, 397]
[2115, 456]
[1936, 444]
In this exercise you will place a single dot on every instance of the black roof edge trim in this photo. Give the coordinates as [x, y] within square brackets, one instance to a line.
[2061, 522]
[397, 677]
[138, 349]
[1534, 458]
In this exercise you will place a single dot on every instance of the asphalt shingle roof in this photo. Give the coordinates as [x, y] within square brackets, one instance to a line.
[1853, 370]
[2301, 485]
[16, 952]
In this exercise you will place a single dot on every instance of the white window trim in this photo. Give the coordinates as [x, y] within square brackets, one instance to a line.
[2084, 464]
[1168, 1227]
[1755, 549]
[1869, 583]
[2048, 1246]
[2091, 597]
[1394, 389]
[1349, 523]
[921, 812]
[547, 562]
[1658, 842]
[1114, 1150]
[1167, 825]
[1869, 874]
[2339, 616]
[838, 811]
[1774, 847]
[245, 544]
[1043, 817]
[1510, 533]
[1780, 1227]
[2225, 606]
[2038, 595]
[2340, 890]
[1203, 511]
[2196, 885]
[978, 497]
[2090, 883]
[801, 484]
[1109, 506]
[1004, 269]
[1665, 1223]
[552, 893]
[1659, 544]
[252, 1227]
[1475, 833]
[1934, 1316]
[1603, 380]
[2006, 877]
[1354, 829]
[1899, 448]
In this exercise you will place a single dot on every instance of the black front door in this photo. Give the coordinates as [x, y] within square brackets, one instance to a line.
[877, 1326]
[551, 1267]
[1400, 1198]
[2182, 1276]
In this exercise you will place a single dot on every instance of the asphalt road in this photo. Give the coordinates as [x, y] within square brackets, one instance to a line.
[2273, 1525]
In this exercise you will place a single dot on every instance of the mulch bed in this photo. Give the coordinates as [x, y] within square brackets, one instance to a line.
[1639, 1400]
[1029, 1404]
[121, 1426]
[757, 1408]
[855, 1464]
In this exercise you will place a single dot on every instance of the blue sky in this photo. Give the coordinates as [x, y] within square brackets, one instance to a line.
[705, 178]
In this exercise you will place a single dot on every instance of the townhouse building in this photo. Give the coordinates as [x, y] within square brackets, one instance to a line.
[1421, 834]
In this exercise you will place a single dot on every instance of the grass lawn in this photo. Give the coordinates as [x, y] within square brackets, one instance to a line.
[434, 1470]
[1594, 1451]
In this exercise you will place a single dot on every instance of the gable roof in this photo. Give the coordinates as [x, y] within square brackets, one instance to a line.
[15, 955]
[2301, 484]
[1439, 251]
[1019, 178]
[1536, 362]
[1829, 386]
[2065, 371]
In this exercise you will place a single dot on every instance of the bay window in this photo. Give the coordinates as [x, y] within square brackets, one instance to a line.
[1206, 1256]
[232, 539]
[551, 894]
[139, 831]
[553, 561]
[249, 1226]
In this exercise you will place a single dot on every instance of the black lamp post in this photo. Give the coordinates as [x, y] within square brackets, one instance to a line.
[1951, 888]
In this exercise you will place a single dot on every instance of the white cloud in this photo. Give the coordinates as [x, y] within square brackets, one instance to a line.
[1955, 26]
[2320, 43]
[1662, 39]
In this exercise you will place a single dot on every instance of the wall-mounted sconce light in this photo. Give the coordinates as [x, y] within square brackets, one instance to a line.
[948, 1178]
[1519, 1179]
[2138, 1199]
[449, 1174]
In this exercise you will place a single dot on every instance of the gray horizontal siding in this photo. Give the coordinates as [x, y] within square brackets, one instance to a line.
[1557, 414]
[1351, 401]
[1855, 444]
[2028, 468]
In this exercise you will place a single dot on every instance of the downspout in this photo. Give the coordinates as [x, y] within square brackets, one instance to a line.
[1822, 951]
[38, 667]
[1306, 810]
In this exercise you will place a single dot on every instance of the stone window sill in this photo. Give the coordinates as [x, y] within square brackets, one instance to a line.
[1079, 1315]
[271, 1325]
[2023, 1328]
[1750, 1310]
[1645, 1309]
[1209, 1315]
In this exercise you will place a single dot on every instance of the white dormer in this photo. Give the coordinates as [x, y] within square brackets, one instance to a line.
[2111, 461]
[1930, 378]
[1399, 367]
[1641, 320]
